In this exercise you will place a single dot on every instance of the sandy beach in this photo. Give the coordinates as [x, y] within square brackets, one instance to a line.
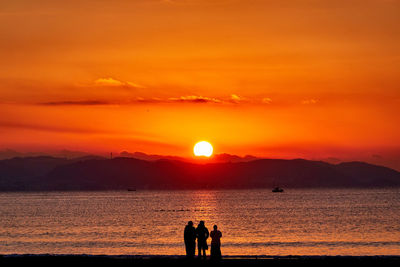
[129, 260]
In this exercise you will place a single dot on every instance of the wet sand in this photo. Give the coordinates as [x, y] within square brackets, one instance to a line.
[125, 260]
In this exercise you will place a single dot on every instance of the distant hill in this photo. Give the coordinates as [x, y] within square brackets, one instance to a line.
[28, 173]
[96, 173]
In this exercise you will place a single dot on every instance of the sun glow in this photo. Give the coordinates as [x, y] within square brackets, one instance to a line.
[203, 148]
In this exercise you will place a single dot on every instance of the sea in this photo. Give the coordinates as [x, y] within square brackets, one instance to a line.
[357, 222]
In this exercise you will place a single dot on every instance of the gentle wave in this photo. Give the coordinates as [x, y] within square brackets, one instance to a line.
[314, 244]
[113, 244]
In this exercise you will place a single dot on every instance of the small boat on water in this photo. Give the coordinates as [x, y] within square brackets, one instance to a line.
[131, 189]
[277, 190]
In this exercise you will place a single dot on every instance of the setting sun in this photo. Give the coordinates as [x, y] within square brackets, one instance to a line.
[203, 148]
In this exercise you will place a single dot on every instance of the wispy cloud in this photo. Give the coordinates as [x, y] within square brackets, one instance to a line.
[138, 100]
[195, 99]
[73, 129]
[310, 101]
[233, 99]
[117, 83]
[266, 100]
[75, 103]
[108, 82]
[48, 128]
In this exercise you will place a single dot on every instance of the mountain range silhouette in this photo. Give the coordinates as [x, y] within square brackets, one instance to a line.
[121, 173]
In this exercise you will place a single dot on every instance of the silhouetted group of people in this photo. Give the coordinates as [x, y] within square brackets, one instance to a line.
[201, 234]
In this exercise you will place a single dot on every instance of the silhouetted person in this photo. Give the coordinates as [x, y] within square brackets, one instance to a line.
[202, 235]
[190, 239]
[216, 243]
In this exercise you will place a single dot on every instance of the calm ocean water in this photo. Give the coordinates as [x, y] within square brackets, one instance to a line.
[253, 222]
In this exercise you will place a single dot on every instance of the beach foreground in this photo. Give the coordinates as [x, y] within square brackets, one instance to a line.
[125, 260]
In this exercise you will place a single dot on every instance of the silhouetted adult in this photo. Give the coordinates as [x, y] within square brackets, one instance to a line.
[216, 243]
[190, 239]
[202, 235]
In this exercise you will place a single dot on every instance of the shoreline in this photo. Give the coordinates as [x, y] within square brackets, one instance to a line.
[180, 260]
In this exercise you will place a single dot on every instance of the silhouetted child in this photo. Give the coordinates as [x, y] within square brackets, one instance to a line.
[215, 243]
[202, 235]
[190, 240]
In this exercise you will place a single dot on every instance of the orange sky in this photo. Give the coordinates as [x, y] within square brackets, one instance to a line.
[299, 78]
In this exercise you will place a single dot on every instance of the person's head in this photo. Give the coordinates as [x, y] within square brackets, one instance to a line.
[190, 223]
[215, 227]
[201, 223]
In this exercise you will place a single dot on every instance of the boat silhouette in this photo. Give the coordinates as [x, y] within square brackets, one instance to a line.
[277, 190]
